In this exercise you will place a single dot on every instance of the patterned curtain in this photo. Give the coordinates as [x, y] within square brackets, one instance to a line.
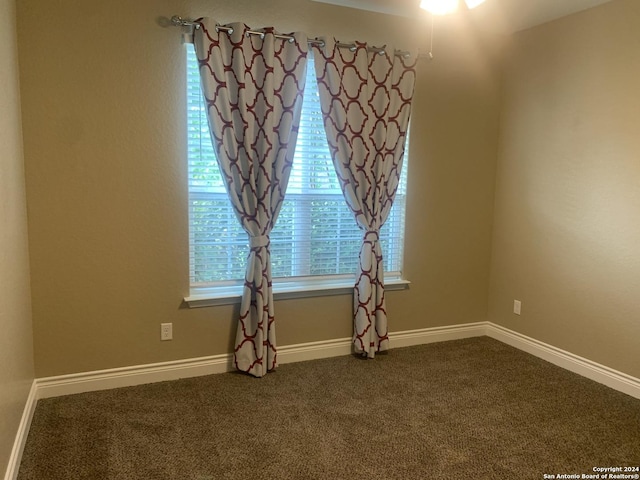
[253, 87]
[366, 102]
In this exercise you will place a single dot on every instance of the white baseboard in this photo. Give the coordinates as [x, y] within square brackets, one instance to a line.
[131, 376]
[159, 372]
[194, 367]
[21, 436]
[423, 336]
[567, 360]
[407, 338]
[314, 350]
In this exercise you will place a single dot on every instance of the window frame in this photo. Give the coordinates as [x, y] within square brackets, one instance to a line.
[228, 292]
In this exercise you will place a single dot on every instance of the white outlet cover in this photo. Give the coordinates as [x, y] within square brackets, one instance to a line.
[517, 307]
[166, 331]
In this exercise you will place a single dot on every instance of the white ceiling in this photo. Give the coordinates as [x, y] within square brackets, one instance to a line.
[505, 15]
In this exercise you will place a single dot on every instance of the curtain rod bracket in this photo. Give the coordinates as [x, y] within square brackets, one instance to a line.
[178, 21]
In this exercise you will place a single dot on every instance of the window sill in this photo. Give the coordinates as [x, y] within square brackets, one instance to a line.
[228, 295]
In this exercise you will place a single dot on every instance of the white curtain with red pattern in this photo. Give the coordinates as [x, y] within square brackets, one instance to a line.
[253, 87]
[366, 97]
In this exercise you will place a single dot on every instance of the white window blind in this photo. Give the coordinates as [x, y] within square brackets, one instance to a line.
[316, 234]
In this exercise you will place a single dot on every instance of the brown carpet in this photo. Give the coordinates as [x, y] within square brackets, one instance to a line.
[467, 409]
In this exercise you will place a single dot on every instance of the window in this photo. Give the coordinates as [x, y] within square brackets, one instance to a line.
[315, 240]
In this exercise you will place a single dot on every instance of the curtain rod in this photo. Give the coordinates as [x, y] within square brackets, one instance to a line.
[178, 21]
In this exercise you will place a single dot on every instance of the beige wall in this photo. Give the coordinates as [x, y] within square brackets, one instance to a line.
[102, 87]
[16, 354]
[566, 239]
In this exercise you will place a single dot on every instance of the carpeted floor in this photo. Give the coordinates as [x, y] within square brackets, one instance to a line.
[467, 409]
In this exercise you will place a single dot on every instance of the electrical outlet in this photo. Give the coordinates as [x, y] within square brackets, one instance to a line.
[166, 331]
[517, 306]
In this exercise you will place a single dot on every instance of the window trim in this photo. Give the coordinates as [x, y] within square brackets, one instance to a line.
[288, 288]
[230, 292]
